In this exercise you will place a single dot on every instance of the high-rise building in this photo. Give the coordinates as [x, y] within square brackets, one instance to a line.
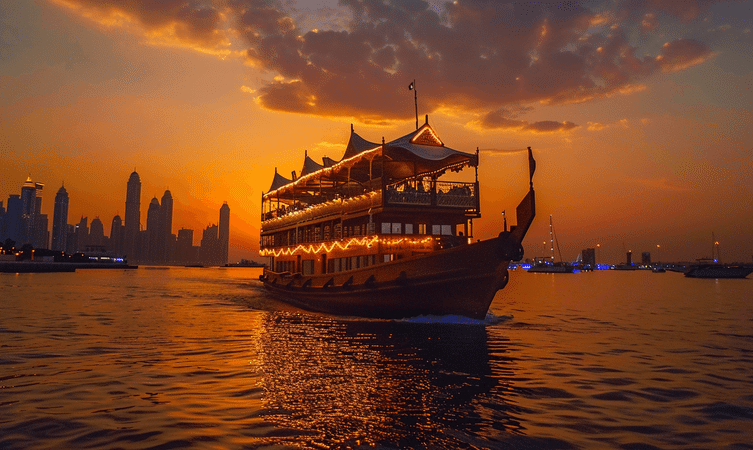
[224, 233]
[588, 257]
[60, 220]
[96, 236]
[166, 226]
[116, 236]
[184, 254]
[82, 234]
[132, 217]
[154, 240]
[209, 253]
[28, 231]
[646, 258]
[12, 223]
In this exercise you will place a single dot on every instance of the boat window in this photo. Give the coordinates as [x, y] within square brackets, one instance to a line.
[396, 228]
[447, 230]
[388, 257]
[408, 228]
[307, 266]
[386, 227]
[421, 228]
[436, 229]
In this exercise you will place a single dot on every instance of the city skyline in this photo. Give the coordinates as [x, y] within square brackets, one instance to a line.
[150, 242]
[638, 113]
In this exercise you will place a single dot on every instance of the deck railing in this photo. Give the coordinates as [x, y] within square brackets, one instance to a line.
[441, 193]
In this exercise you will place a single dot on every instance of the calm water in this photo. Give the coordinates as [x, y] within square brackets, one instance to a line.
[203, 358]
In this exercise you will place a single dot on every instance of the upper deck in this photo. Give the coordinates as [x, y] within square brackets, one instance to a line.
[402, 176]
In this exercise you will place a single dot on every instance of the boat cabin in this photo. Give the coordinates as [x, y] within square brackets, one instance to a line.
[380, 202]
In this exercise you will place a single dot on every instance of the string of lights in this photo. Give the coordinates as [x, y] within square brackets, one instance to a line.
[368, 242]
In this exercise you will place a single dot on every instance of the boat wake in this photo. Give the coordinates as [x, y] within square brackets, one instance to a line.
[490, 319]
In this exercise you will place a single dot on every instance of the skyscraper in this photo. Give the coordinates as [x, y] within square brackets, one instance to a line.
[96, 236]
[28, 213]
[82, 234]
[209, 253]
[152, 252]
[12, 223]
[60, 220]
[166, 226]
[116, 236]
[184, 251]
[132, 217]
[224, 233]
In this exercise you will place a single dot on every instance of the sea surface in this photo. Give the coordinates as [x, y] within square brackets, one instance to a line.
[203, 358]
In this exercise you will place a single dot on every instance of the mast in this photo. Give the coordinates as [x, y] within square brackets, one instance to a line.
[551, 236]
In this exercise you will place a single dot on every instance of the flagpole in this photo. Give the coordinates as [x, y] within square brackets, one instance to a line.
[412, 87]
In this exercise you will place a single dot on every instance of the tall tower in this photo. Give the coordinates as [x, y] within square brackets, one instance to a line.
[60, 220]
[28, 213]
[152, 252]
[132, 217]
[224, 232]
[116, 236]
[166, 226]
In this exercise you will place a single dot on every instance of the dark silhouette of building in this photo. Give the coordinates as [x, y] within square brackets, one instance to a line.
[132, 217]
[60, 220]
[96, 235]
[646, 258]
[12, 223]
[185, 251]
[33, 227]
[209, 254]
[166, 227]
[154, 241]
[71, 243]
[116, 236]
[224, 233]
[2, 222]
[82, 234]
[588, 257]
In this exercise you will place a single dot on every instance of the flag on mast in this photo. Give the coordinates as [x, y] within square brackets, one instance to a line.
[410, 86]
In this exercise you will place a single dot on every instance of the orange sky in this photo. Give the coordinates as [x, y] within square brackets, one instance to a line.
[638, 111]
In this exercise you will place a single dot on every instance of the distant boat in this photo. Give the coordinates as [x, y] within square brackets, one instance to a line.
[547, 264]
[707, 268]
[712, 268]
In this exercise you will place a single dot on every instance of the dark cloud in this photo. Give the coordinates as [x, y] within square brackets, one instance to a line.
[196, 23]
[475, 56]
[503, 119]
[479, 55]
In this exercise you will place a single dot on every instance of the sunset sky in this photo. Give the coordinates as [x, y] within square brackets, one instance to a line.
[638, 111]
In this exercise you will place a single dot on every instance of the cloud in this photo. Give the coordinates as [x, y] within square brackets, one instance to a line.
[681, 54]
[199, 25]
[502, 119]
[473, 56]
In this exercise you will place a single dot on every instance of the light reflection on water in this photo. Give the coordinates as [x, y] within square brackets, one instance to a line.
[204, 358]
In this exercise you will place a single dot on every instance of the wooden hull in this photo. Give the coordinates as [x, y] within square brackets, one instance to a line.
[458, 281]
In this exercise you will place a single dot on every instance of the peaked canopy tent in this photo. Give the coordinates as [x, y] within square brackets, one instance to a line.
[418, 154]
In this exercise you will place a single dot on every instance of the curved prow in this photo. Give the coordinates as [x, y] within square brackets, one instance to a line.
[526, 210]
